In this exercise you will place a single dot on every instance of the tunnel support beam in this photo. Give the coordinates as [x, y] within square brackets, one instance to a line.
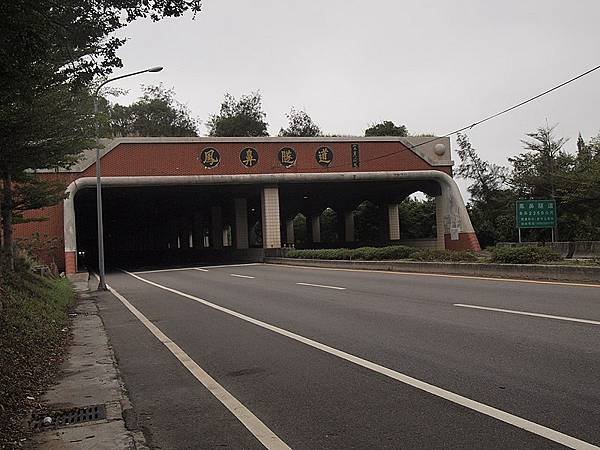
[440, 226]
[315, 227]
[271, 225]
[289, 231]
[393, 222]
[349, 226]
[241, 223]
[216, 219]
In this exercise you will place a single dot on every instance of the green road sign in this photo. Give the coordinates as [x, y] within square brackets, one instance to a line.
[536, 213]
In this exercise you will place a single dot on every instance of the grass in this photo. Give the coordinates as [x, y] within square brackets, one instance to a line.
[33, 318]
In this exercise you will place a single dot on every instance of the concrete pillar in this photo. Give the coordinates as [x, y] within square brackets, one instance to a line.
[349, 226]
[241, 223]
[315, 224]
[271, 226]
[289, 231]
[440, 213]
[197, 230]
[216, 232]
[393, 222]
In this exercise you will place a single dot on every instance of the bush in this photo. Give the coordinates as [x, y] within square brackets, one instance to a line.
[444, 255]
[361, 253]
[524, 255]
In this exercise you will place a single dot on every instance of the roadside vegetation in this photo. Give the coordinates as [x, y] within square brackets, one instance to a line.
[501, 255]
[33, 335]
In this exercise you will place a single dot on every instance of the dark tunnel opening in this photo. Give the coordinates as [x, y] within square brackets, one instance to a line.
[165, 226]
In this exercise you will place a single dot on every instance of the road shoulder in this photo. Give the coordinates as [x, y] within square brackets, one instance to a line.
[89, 377]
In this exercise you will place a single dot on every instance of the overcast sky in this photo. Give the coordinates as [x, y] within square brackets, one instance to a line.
[432, 65]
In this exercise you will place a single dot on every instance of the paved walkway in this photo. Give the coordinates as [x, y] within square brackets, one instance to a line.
[89, 377]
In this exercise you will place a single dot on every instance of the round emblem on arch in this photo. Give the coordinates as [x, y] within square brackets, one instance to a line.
[287, 156]
[249, 157]
[324, 156]
[210, 157]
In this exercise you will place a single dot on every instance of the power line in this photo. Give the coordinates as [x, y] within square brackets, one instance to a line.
[493, 116]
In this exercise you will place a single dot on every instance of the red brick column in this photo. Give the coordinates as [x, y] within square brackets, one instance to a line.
[70, 263]
[466, 241]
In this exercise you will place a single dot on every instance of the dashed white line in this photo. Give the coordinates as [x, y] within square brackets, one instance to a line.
[200, 269]
[525, 313]
[267, 437]
[474, 405]
[322, 286]
[240, 276]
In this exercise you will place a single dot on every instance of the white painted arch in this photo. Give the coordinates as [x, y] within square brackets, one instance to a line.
[453, 210]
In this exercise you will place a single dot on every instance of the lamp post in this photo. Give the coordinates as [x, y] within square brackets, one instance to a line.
[102, 284]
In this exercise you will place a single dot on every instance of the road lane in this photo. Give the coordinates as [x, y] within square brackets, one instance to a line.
[405, 333]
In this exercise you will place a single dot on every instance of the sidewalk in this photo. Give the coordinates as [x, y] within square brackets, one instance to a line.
[89, 377]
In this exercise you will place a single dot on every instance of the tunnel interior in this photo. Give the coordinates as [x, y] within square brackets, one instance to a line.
[155, 226]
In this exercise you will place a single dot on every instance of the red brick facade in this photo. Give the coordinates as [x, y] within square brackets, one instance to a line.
[183, 158]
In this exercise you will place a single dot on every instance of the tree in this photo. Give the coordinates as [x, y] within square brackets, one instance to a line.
[239, 118]
[418, 218]
[49, 54]
[386, 128]
[156, 113]
[300, 125]
[491, 206]
[542, 171]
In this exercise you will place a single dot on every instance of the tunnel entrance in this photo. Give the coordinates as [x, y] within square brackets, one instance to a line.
[156, 226]
[178, 225]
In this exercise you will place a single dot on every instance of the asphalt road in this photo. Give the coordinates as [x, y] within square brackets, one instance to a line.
[294, 369]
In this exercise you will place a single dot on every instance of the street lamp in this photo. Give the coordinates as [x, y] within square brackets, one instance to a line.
[102, 284]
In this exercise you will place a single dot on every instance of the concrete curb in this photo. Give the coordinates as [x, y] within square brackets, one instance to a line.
[89, 377]
[540, 272]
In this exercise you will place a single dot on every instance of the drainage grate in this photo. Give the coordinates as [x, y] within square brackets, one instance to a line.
[66, 417]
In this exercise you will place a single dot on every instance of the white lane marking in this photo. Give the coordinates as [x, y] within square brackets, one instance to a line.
[322, 286]
[167, 270]
[482, 408]
[240, 276]
[202, 269]
[267, 437]
[441, 275]
[231, 265]
[525, 313]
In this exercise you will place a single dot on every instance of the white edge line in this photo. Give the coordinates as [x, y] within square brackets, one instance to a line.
[267, 437]
[482, 408]
[178, 269]
[441, 275]
[240, 276]
[322, 286]
[525, 313]
[202, 269]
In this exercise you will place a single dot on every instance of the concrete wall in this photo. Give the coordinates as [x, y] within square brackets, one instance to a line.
[581, 249]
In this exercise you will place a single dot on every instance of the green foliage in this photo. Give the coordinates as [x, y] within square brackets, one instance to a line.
[50, 55]
[156, 113]
[361, 253]
[417, 218]
[300, 125]
[369, 223]
[444, 255]
[386, 128]
[329, 226]
[239, 118]
[524, 255]
[32, 317]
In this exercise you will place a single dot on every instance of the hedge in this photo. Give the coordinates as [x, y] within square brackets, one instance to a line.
[524, 255]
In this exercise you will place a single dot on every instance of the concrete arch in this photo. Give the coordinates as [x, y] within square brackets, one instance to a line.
[452, 214]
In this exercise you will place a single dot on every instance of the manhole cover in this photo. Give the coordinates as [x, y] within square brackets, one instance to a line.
[65, 417]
